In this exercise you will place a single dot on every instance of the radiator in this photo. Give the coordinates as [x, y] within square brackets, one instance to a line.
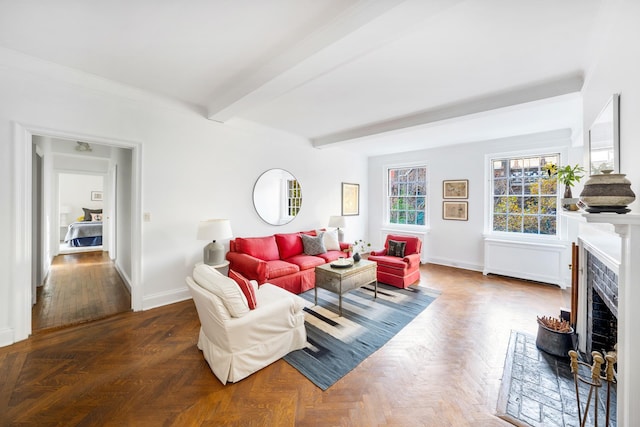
[541, 262]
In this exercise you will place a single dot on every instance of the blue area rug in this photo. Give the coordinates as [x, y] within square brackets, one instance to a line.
[336, 345]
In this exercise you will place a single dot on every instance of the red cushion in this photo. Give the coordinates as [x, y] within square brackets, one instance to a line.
[279, 268]
[306, 262]
[388, 261]
[264, 248]
[289, 245]
[246, 288]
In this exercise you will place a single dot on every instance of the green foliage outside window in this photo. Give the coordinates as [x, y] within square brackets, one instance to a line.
[407, 195]
[294, 197]
[524, 195]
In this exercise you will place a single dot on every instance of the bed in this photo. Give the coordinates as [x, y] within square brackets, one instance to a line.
[84, 233]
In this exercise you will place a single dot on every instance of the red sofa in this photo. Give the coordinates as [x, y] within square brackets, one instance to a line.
[279, 259]
[396, 271]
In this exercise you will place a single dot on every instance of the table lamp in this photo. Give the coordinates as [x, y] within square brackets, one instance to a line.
[339, 223]
[213, 230]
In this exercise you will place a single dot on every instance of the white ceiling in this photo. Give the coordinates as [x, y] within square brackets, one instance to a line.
[352, 73]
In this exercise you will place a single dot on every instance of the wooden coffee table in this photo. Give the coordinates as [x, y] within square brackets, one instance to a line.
[343, 280]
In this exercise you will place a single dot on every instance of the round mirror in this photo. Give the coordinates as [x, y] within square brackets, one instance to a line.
[277, 196]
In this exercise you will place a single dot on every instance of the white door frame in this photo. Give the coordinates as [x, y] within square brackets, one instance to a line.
[20, 274]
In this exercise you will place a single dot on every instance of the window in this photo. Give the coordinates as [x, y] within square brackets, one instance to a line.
[294, 197]
[407, 194]
[524, 196]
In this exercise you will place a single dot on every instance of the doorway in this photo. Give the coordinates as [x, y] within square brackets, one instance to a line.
[127, 154]
[83, 281]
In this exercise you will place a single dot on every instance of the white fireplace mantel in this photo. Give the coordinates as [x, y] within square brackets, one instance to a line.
[627, 227]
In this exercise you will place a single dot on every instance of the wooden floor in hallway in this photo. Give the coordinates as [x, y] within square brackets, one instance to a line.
[144, 369]
[80, 287]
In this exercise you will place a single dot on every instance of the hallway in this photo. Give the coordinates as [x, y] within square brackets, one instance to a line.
[80, 287]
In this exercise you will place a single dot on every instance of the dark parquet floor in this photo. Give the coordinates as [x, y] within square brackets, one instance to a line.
[143, 368]
[80, 287]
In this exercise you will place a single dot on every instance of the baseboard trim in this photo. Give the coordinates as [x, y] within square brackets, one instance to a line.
[165, 298]
[457, 264]
[527, 276]
[123, 276]
[6, 337]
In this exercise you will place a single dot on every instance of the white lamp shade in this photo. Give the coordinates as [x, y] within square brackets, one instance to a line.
[64, 209]
[337, 221]
[214, 229]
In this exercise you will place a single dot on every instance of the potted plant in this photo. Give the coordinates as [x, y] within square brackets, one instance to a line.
[569, 176]
[360, 247]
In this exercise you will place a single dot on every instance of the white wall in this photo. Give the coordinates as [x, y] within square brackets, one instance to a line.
[123, 211]
[455, 243]
[615, 68]
[192, 169]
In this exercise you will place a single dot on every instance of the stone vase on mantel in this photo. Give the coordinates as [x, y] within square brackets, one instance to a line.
[609, 192]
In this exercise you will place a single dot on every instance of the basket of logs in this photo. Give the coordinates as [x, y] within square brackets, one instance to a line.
[555, 336]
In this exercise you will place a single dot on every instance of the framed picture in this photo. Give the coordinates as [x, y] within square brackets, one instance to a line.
[455, 189]
[455, 210]
[350, 199]
[96, 196]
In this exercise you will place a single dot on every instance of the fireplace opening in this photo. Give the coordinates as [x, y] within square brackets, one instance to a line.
[602, 329]
[602, 307]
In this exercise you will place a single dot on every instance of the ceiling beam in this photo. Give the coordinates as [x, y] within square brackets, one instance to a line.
[228, 103]
[534, 92]
[361, 29]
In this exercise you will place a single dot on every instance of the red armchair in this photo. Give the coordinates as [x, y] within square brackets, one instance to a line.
[399, 271]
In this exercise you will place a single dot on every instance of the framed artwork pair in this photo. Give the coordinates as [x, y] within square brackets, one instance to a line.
[455, 189]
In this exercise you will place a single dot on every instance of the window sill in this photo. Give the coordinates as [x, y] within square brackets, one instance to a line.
[523, 239]
[404, 228]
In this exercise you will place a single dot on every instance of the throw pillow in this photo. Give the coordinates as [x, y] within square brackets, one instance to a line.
[330, 240]
[396, 248]
[246, 288]
[289, 245]
[95, 217]
[88, 212]
[223, 287]
[313, 245]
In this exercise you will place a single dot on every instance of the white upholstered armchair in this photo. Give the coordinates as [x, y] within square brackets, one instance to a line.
[236, 341]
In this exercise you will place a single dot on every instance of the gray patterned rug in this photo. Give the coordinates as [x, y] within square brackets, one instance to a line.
[538, 389]
[336, 345]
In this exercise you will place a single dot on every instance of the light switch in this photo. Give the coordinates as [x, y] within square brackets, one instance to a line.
[147, 217]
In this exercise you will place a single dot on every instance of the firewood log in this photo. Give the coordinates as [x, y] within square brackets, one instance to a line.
[554, 324]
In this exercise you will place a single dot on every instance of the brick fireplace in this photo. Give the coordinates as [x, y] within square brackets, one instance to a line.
[614, 240]
[602, 306]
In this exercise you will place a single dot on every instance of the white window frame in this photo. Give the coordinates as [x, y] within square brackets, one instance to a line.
[388, 225]
[289, 199]
[488, 194]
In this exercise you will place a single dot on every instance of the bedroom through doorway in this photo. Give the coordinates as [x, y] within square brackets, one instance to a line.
[81, 208]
